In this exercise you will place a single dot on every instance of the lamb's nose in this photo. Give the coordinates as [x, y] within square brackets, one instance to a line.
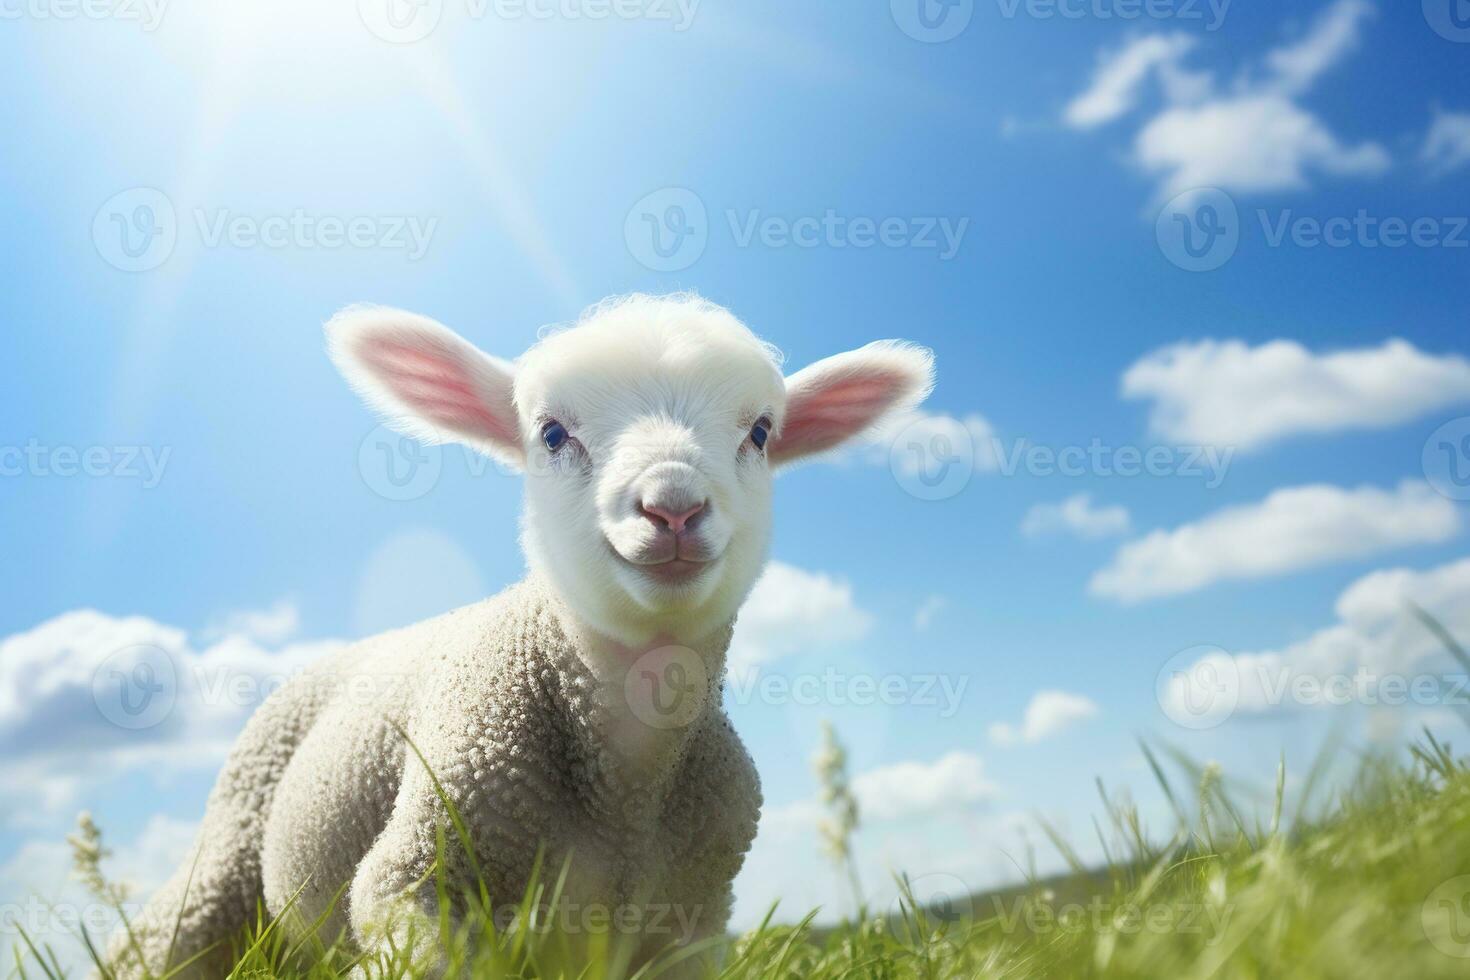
[674, 521]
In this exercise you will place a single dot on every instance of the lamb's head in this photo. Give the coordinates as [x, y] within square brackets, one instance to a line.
[648, 433]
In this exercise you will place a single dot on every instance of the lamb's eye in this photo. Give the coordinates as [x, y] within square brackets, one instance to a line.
[554, 434]
[760, 432]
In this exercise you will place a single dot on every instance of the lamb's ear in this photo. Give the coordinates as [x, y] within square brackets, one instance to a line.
[846, 395]
[426, 380]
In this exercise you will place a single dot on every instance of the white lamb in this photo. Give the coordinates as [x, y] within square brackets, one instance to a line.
[577, 711]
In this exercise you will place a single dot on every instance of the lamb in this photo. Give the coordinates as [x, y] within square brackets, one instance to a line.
[578, 711]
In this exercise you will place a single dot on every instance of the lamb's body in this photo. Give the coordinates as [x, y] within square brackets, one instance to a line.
[529, 743]
[648, 433]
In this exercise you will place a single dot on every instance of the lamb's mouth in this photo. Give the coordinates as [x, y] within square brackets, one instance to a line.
[670, 571]
[675, 570]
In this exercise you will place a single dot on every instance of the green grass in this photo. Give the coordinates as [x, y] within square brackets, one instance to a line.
[1373, 883]
[1367, 889]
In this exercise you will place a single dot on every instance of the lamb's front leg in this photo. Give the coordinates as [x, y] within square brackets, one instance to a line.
[189, 924]
[214, 895]
[393, 902]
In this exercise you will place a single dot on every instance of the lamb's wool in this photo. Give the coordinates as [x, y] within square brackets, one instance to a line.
[526, 707]
[321, 790]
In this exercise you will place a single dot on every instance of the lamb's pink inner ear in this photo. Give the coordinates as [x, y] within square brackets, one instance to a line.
[825, 415]
[440, 386]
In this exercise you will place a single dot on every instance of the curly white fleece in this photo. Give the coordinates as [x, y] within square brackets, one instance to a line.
[526, 706]
[320, 789]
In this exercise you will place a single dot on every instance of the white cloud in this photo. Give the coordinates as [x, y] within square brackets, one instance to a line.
[1447, 145]
[917, 817]
[1119, 77]
[926, 612]
[42, 896]
[1049, 713]
[64, 683]
[958, 852]
[1251, 136]
[1248, 143]
[1229, 394]
[1374, 635]
[1077, 515]
[791, 610]
[273, 625]
[61, 684]
[932, 436]
[907, 790]
[1292, 529]
[63, 717]
[1334, 36]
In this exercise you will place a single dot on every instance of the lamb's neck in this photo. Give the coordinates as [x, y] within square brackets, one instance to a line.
[653, 698]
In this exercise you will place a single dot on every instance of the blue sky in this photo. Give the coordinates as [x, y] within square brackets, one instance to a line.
[524, 152]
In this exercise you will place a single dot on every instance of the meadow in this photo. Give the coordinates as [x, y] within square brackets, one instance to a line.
[1372, 881]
